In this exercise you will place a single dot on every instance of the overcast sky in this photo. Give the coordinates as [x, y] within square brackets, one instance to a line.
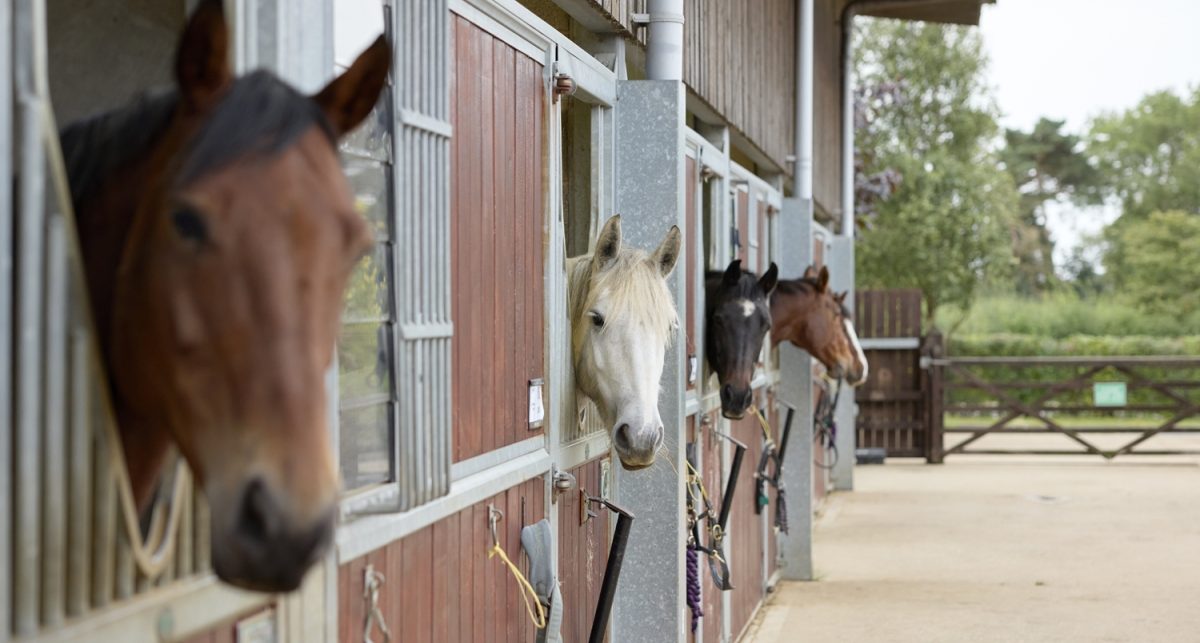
[1073, 59]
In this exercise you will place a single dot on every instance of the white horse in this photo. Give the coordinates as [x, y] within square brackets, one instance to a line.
[622, 320]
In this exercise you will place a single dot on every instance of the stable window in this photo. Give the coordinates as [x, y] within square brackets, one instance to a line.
[366, 360]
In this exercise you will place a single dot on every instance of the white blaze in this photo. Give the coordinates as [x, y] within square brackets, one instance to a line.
[747, 307]
[862, 358]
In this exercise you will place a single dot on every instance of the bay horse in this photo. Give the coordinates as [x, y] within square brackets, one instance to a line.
[218, 235]
[806, 313]
[622, 320]
[737, 316]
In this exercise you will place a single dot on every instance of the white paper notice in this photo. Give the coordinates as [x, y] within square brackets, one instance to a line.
[537, 412]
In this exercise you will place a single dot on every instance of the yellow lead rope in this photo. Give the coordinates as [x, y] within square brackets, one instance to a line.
[762, 421]
[527, 591]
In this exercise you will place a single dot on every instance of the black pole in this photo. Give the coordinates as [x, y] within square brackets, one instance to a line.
[731, 486]
[787, 430]
[612, 571]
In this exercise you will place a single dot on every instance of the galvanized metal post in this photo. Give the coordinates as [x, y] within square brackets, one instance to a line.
[841, 277]
[7, 149]
[795, 390]
[650, 177]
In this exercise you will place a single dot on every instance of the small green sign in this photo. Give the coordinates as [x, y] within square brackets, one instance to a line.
[1108, 393]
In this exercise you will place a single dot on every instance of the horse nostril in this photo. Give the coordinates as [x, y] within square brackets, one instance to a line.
[748, 398]
[727, 393]
[255, 523]
[622, 439]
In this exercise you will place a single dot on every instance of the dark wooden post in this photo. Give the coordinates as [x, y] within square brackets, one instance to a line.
[932, 351]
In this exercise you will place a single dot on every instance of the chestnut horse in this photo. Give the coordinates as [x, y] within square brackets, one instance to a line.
[806, 313]
[218, 234]
[737, 316]
[622, 320]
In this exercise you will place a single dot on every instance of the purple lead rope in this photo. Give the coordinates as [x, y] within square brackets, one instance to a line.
[693, 585]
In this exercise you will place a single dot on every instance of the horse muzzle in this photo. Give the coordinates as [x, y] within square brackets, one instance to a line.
[263, 548]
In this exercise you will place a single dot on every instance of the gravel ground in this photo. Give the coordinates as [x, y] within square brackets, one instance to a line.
[1003, 549]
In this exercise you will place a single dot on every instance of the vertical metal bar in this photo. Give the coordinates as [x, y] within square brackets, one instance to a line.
[27, 546]
[104, 518]
[203, 544]
[7, 152]
[80, 493]
[126, 572]
[54, 470]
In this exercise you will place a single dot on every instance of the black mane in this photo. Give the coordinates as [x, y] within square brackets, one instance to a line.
[258, 116]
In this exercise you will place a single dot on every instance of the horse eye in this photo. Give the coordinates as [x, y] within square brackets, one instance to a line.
[597, 319]
[190, 225]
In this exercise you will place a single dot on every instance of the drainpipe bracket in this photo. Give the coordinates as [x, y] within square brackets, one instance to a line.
[644, 19]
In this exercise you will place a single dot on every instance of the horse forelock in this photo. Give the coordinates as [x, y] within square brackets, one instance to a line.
[631, 285]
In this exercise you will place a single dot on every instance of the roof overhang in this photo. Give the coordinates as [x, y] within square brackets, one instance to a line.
[955, 12]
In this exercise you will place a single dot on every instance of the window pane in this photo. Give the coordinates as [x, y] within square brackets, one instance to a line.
[365, 446]
[372, 139]
[369, 181]
[367, 297]
[364, 363]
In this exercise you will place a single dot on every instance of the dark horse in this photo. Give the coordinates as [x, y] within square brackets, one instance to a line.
[737, 316]
[219, 233]
[806, 313]
[739, 311]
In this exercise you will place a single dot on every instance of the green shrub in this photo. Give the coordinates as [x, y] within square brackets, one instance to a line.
[1063, 315]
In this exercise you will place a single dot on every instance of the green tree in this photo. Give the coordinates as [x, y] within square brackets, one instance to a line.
[1162, 275]
[1047, 165]
[944, 227]
[1148, 159]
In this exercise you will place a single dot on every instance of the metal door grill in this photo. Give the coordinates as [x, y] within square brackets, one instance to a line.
[68, 554]
[422, 266]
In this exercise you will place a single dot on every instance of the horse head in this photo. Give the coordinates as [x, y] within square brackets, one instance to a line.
[623, 318]
[805, 312]
[218, 256]
[737, 317]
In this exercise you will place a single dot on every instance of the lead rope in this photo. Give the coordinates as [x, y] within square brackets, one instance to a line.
[527, 591]
[154, 553]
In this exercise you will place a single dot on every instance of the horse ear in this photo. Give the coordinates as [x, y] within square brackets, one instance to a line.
[733, 273]
[823, 279]
[347, 99]
[608, 244]
[810, 273]
[841, 297]
[668, 251]
[768, 280]
[202, 61]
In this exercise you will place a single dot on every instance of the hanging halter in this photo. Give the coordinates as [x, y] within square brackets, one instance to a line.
[763, 477]
[825, 425]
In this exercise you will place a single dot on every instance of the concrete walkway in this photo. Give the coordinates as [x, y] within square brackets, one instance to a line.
[1003, 549]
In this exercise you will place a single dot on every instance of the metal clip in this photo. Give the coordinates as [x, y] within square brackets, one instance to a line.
[585, 511]
[372, 582]
[494, 518]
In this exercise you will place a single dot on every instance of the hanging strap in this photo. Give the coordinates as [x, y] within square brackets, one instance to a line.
[527, 592]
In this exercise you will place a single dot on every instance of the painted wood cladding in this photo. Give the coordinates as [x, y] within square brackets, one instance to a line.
[496, 239]
[582, 553]
[713, 474]
[740, 59]
[827, 107]
[746, 527]
[440, 584]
